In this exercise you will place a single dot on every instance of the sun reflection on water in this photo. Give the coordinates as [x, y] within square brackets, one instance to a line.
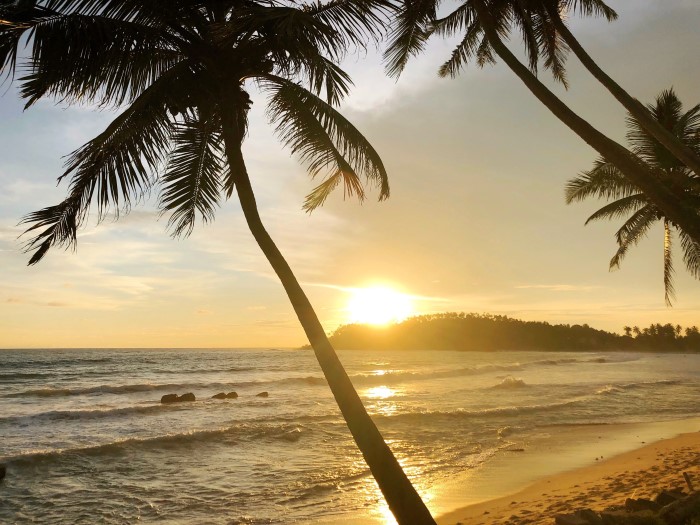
[380, 392]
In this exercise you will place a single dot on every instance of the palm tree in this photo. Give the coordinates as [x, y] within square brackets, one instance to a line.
[180, 71]
[607, 182]
[544, 29]
[484, 25]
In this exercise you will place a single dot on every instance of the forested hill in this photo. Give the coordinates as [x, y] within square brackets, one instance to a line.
[460, 331]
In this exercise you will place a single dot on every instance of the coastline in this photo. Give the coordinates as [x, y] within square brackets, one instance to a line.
[639, 472]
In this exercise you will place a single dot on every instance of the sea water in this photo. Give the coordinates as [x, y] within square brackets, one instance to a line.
[86, 440]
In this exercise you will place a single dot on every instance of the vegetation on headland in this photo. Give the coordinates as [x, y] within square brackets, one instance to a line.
[486, 332]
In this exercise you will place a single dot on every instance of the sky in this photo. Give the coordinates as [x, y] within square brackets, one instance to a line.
[476, 221]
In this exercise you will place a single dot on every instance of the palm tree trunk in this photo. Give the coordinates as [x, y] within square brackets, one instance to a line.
[631, 104]
[400, 495]
[632, 167]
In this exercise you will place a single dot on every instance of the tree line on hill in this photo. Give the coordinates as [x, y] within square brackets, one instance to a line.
[487, 332]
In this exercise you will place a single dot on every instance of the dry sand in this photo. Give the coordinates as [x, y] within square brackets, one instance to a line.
[641, 473]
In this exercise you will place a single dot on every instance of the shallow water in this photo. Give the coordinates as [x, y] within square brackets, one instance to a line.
[86, 439]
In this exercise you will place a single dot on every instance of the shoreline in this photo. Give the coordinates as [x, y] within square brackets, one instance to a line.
[641, 472]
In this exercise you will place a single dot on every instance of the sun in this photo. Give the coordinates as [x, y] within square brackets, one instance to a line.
[378, 305]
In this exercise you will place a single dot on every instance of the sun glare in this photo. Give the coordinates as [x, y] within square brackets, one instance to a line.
[378, 305]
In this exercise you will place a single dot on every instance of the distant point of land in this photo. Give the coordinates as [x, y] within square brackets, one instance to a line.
[486, 332]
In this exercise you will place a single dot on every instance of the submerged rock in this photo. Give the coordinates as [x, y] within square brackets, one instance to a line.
[3, 470]
[220, 395]
[232, 395]
[169, 398]
[262, 394]
[189, 396]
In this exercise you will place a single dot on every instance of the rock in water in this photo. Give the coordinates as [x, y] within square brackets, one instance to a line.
[262, 394]
[220, 395]
[189, 396]
[3, 471]
[232, 395]
[169, 398]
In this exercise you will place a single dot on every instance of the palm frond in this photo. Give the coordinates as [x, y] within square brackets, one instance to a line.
[16, 22]
[60, 223]
[79, 58]
[691, 253]
[631, 232]
[359, 20]
[553, 46]
[620, 207]
[603, 181]
[529, 34]
[409, 33]
[465, 50]
[325, 76]
[454, 22]
[323, 139]
[669, 291]
[115, 166]
[591, 8]
[191, 182]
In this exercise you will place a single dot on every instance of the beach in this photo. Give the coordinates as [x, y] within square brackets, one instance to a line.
[85, 438]
[639, 473]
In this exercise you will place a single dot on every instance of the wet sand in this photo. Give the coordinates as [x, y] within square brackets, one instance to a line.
[640, 473]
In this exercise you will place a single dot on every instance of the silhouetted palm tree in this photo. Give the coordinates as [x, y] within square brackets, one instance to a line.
[607, 182]
[554, 10]
[180, 71]
[484, 25]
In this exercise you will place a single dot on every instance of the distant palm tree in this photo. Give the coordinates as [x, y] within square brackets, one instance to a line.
[180, 72]
[607, 182]
[484, 25]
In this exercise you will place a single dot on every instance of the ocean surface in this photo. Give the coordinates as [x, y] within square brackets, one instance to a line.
[86, 439]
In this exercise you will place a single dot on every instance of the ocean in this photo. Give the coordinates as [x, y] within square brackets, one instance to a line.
[86, 440]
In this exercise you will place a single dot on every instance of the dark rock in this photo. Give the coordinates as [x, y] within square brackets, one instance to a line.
[590, 516]
[232, 395]
[623, 517]
[262, 394]
[641, 504]
[169, 398]
[3, 471]
[569, 519]
[189, 396]
[665, 497]
[220, 395]
[682, 510]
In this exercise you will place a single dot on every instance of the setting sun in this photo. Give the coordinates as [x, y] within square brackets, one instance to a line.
[378, 305]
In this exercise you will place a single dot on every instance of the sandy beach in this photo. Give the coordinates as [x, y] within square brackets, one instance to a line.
[639, 473]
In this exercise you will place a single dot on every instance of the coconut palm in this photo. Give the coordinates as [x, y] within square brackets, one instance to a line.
[555, 11]
[181, 72]
[605, 181]
[484, 25]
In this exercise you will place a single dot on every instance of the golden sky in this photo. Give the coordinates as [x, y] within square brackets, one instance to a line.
[476, 221]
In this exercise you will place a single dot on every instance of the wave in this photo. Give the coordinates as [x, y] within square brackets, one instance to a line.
[396, 376]
[21, 375]
[249, 431]
[486, 412]
[77, 415]
[614, 389]
[149, 387]
[509, 383]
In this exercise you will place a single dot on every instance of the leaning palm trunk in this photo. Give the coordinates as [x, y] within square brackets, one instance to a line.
[633, 168]
[403, 500]
[636, 108]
